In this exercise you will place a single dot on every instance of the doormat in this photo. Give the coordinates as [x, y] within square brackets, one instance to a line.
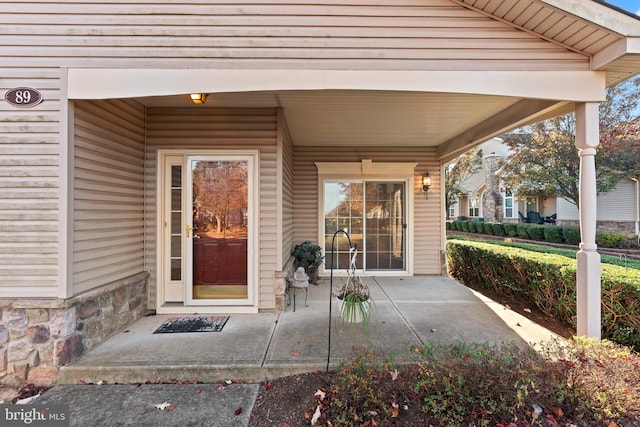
[176, 325]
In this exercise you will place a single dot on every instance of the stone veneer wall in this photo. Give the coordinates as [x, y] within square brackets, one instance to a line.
[627, 227]
[39, 335]
[492, 209]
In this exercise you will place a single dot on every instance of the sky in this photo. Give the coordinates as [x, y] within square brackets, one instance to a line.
[630, 5]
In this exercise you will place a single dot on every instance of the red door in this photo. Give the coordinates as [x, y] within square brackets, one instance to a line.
[219, 228]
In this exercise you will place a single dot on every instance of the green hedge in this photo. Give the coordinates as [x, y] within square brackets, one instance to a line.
[571, 235]
[521, 230]
[548, 233]
[553, 234]
[536, 232]
[549, 282]
[611, 240]
[510, 229]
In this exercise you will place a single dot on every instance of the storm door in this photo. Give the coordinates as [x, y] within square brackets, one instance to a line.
[207, 256]
[217, 229]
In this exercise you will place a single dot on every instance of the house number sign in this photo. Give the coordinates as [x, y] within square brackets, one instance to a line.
[23, 97]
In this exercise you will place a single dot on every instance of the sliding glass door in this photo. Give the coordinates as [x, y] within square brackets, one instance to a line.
[373, 212]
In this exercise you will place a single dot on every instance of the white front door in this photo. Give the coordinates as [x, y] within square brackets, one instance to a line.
[208, 229]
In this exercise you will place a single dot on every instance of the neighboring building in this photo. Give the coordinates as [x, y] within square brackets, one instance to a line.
[119, 194]
[487, 199]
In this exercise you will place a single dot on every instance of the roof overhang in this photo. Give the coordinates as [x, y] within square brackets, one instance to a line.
[450, 111]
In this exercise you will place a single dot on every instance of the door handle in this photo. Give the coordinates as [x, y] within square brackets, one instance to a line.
[188, 230]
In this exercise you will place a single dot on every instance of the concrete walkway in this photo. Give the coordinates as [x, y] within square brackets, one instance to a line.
[409, 311]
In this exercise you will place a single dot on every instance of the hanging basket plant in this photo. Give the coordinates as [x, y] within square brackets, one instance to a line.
[355, 296]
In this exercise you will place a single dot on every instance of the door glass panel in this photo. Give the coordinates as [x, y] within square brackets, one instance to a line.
[175, 226]
[385, 225]
[342, 211]
[220, 206]
[373, 214]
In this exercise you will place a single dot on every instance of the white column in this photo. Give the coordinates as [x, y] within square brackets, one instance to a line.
[588, 275]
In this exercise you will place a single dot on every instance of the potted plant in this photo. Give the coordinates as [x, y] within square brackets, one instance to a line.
[309, 256]
[355, 296]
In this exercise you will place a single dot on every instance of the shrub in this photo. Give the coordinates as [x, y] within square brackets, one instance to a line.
[536, 232]
[488, 228]
[549, 282]
[522, 231]
[577, 383]
[611, 240]
[510, 229]
[465, 226]
[571, 235]
[553, 234]
[472, 227]
[498, 229]
[447, 225]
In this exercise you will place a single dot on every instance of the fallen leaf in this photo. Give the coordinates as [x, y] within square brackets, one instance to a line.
[527, 310]
[320, 394]
[237, 411]
[394, 374]
[296, 353]
[163, 406]
[434, 330]
[316, 416]
[518, 324]
[373, 422]
[221, 388]
[558, 412]
[507, 307]
[171, 407]
[198, 391]
[395, 411]
[229, 382]
[286, 425]
[612, 424]
[144, 411]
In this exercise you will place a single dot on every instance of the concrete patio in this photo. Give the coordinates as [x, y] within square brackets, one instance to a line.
[409, 311]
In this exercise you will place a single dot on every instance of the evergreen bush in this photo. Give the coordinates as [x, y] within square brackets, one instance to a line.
[553, 234]
[510, 229]
[498, 229]
[571, 235]
[522, 231]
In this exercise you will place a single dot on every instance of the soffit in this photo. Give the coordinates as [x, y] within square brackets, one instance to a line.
[584, 26]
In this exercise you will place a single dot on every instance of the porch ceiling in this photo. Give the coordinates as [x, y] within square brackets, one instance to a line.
[362, 118]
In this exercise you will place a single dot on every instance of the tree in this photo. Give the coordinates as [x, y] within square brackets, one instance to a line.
[545, 161]
[457, 172]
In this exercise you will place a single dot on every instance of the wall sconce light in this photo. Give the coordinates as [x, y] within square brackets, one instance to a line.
[426, 183]
[198, 98]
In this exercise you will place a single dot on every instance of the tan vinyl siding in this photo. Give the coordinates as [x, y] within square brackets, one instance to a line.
[288, 198]
[617, 205]
[224, 129]
[353, 34]
[427, 213]
[108, 192]
[30, 186]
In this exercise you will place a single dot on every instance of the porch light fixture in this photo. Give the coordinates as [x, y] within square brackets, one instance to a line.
[426, 183]
[198, 98]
